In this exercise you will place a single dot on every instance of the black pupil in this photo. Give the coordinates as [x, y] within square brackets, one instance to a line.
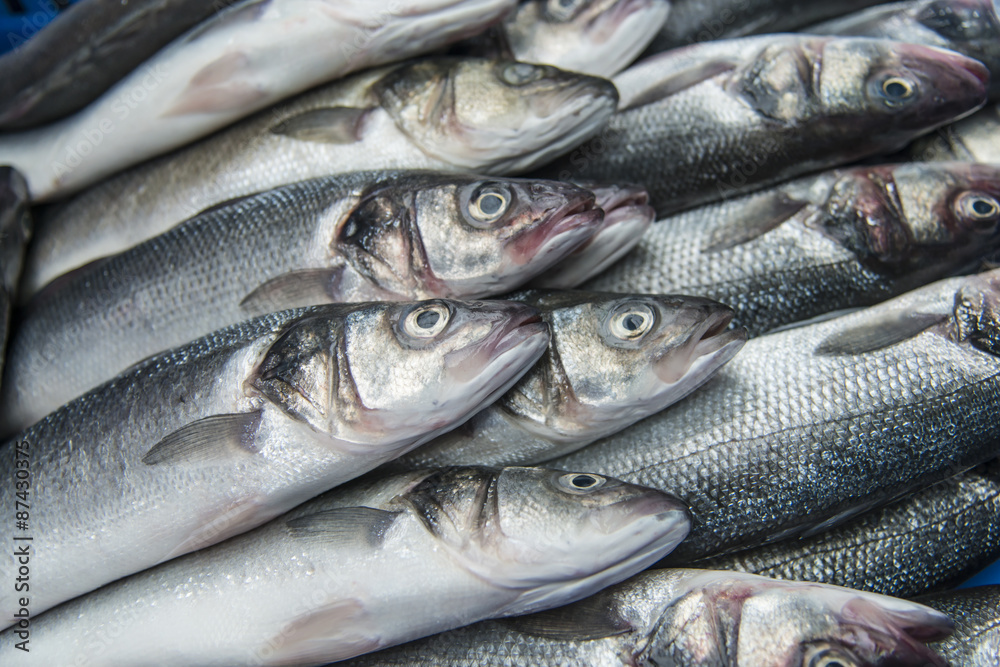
[984, 207]
[633, 322]
[490, 204]
[583, 481]
[427, 319]
[896, 89]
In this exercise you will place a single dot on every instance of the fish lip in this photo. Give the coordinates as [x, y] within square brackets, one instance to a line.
[709, 346]
[518, 328]
[962, 82]
[547, 243]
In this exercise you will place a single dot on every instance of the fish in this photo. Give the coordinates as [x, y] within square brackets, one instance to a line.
[695, 618]
[600, 37]
[85, 50]
[16, 225]
[841, 239]
[627, 215]
[242, 59]
[930, 541]
[357, 237]
[715, 120]
[976, 640]
[693, 21]
[470, 115]
[211, 439]
[975, 139]
[417, 554]
[970, 27]
[811, 426]
[613, 359]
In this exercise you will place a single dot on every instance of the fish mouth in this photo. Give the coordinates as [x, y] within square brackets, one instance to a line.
[960, 83]
[563, 230]
[522, 336]
[710, 346]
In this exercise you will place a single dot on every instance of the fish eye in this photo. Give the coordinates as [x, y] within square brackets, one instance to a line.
[897, 90]
[581, 482]
[426, 320]
[631, 321]
[520, 74]
[827, 656]
[489, 203]
[979, 207]
[563, 10]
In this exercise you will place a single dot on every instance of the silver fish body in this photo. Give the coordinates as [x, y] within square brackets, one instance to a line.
[840, 239]
[970, 27]
[438, 113]
[216, 437]
[241, 60]
[715, 120]
[357, 237]
[15, 231]
[334, 579]
[694, 618]
[810, 426]
[976, 640]
[613, 360]
[930, 541]
[976, 139]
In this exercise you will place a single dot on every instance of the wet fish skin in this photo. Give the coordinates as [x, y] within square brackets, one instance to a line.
[693, 618]
[15, 231]
[84, 51]
[226, 68]
[810, 426]
[970, 27]
[357, 237]
[976, 611]
[596, 378]
[330, 581]
[930, 541]
[436, 113]
[715, 120]
[976, 138]
[219, 436]
[841, 239]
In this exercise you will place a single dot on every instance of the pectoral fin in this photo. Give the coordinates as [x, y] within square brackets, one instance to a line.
[309, 287]
[345, 526]
[336, 631]
[332, 125]
[592, 618]
[682, 80]
[762, 216]
[215, 439]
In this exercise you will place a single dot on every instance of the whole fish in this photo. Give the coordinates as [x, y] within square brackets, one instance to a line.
[695, 618]
[970, 27]
[218, 436]
[810, 426]
[976, 611]
[976, 138]
[932, 540]
[244, 58]
[840, 239]
[418, 554]
[706, 20]
[627, 215]
[613, 360]
[715, 120]
[599, 37]
[439, 113]
[84, 51]
[357, 237]
[15, 230]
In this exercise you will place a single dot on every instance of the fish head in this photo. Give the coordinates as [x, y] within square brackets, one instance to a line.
[976, 315]
[915, 222]
[750, 620]
[496, 116]
[896, 89]
[615, 359]
[594, 36]
[391, 372]
[549, 536]
[627, 215]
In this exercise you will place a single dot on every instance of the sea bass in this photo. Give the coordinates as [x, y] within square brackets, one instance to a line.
[214, 438]
[449, 114]
[840, 239]
[613, 359]
[415, 555]
[243, 59]
[977, 139]
[976, 640]
[357, 237]
[84, 51]
[810, 426]
[970, 27]
[15, 231]
[714, 120]
[695, 618]
[932, 540]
